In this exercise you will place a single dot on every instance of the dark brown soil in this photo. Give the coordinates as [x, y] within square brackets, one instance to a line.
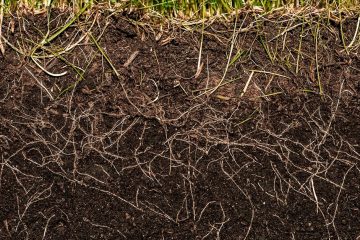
[156, 152]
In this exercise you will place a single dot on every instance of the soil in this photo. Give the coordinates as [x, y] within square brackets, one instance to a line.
[266, 148]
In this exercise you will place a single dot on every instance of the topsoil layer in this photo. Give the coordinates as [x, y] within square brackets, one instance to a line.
[264, 146]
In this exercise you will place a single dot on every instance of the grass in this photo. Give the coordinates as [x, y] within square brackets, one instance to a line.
[187, 9]
[178, 8]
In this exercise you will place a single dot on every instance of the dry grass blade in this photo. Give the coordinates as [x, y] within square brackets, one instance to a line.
[131, 58]
[46, 71]
[355, 34]
[200, 64]
[317, 36]
[247, 84]
[107, 58]
[40, 84]
[271, 73]
[2, 5]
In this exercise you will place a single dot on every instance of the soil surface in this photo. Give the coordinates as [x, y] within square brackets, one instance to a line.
[115, 130]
